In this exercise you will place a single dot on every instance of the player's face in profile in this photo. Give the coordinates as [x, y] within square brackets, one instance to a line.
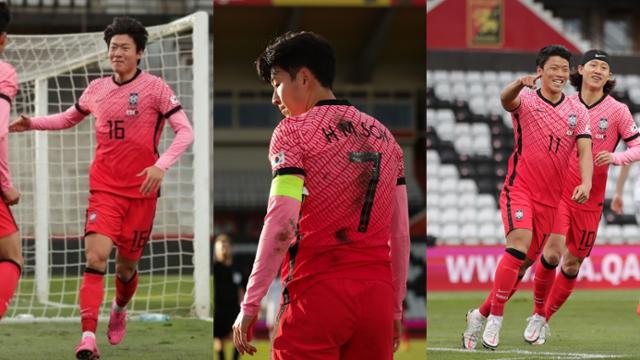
[595, 73]
[555, 74]
[288, 93]
[123, 54]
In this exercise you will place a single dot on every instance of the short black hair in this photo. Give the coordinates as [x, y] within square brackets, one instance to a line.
[5, 17]
[129, 26]
[293, 50]
[552, 50]
[576, 82]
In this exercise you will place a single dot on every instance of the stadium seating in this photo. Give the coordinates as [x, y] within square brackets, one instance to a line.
[469, 141]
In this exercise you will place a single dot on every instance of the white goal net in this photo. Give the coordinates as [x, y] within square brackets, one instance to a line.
[50, 169]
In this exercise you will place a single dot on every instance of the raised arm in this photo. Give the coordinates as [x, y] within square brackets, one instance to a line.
[509, 96]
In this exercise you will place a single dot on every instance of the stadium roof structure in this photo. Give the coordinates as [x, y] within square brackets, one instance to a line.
[514, 25]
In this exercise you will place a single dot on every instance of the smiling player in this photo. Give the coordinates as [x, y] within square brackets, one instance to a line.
[547, 126]
[130, 108]
[576, 225]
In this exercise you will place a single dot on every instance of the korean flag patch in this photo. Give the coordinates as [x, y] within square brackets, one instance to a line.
[277, 159]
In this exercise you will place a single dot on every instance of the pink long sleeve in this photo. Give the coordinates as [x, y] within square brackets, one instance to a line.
[628, 156]
[399, 244]
[58, 121]
[5, 173]
[277, 234]
[184, 137]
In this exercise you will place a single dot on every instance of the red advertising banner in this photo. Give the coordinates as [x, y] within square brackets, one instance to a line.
[458, 268]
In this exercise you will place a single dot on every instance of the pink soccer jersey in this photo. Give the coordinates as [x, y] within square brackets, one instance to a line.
[545, 137]
[610, 121]
[8, 90]
[351, 165]
[129, 121]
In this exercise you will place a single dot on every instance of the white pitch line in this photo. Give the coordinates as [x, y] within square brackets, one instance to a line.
[577, 356]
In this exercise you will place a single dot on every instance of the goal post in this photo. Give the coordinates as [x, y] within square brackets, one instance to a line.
[51, 169]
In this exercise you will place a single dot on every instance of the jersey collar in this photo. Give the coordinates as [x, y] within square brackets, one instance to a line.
[113, 77]
[539, 92]
[332, 102]
[594, 104]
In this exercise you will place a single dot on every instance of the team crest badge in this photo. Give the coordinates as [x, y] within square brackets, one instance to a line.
[572, 121]
[519, 214]
[92, 217]
[132, 110]
[603, 125]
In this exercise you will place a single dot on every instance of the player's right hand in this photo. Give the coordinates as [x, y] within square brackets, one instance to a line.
[617, 204]
[397, 330]
[581, 193]
[242, 333]
[11, 196]
[529, 81]
[23, 123]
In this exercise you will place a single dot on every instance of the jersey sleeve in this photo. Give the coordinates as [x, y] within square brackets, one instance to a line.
[400, 159]
[525, 102]
[627, 128]
[167, 102]
[84, 103]
[8, 83]
[583, 128]
[286, 150]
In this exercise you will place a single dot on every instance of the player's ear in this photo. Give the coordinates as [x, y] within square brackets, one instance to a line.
[3, 39]
[305, 74]
[580, 69]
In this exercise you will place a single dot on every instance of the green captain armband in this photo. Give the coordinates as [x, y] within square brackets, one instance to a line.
[287, 185]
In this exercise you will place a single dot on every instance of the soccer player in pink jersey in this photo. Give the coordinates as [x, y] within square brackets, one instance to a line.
[130, 108]
[337, 216]
[10, 248]
[576, 225]
[547, 127]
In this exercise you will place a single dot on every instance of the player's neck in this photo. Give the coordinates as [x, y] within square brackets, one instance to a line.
[552, 97]
[590, 96]
[124, 77]
[319, 95]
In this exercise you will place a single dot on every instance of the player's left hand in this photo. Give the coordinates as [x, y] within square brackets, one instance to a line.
[581, 193]
[243, 332]
[397, 330]
[603, 158]
[152, 181]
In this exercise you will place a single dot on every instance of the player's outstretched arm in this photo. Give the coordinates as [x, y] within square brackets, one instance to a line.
[399, 244]
[617, 204]
[581, 192]
[509, 96]
[59, 121]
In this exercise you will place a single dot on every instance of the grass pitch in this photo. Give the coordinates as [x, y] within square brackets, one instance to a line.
[415, 350]
[590, 325]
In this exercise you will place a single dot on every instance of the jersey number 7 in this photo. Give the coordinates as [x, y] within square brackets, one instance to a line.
[374, 158]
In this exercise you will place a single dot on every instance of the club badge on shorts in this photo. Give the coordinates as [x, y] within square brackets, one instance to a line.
[92, 217]
[519, 214]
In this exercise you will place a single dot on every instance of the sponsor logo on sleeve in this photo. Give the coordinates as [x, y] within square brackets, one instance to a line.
[174, 100]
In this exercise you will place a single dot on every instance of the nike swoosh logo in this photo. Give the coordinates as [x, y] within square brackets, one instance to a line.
[600, 55]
